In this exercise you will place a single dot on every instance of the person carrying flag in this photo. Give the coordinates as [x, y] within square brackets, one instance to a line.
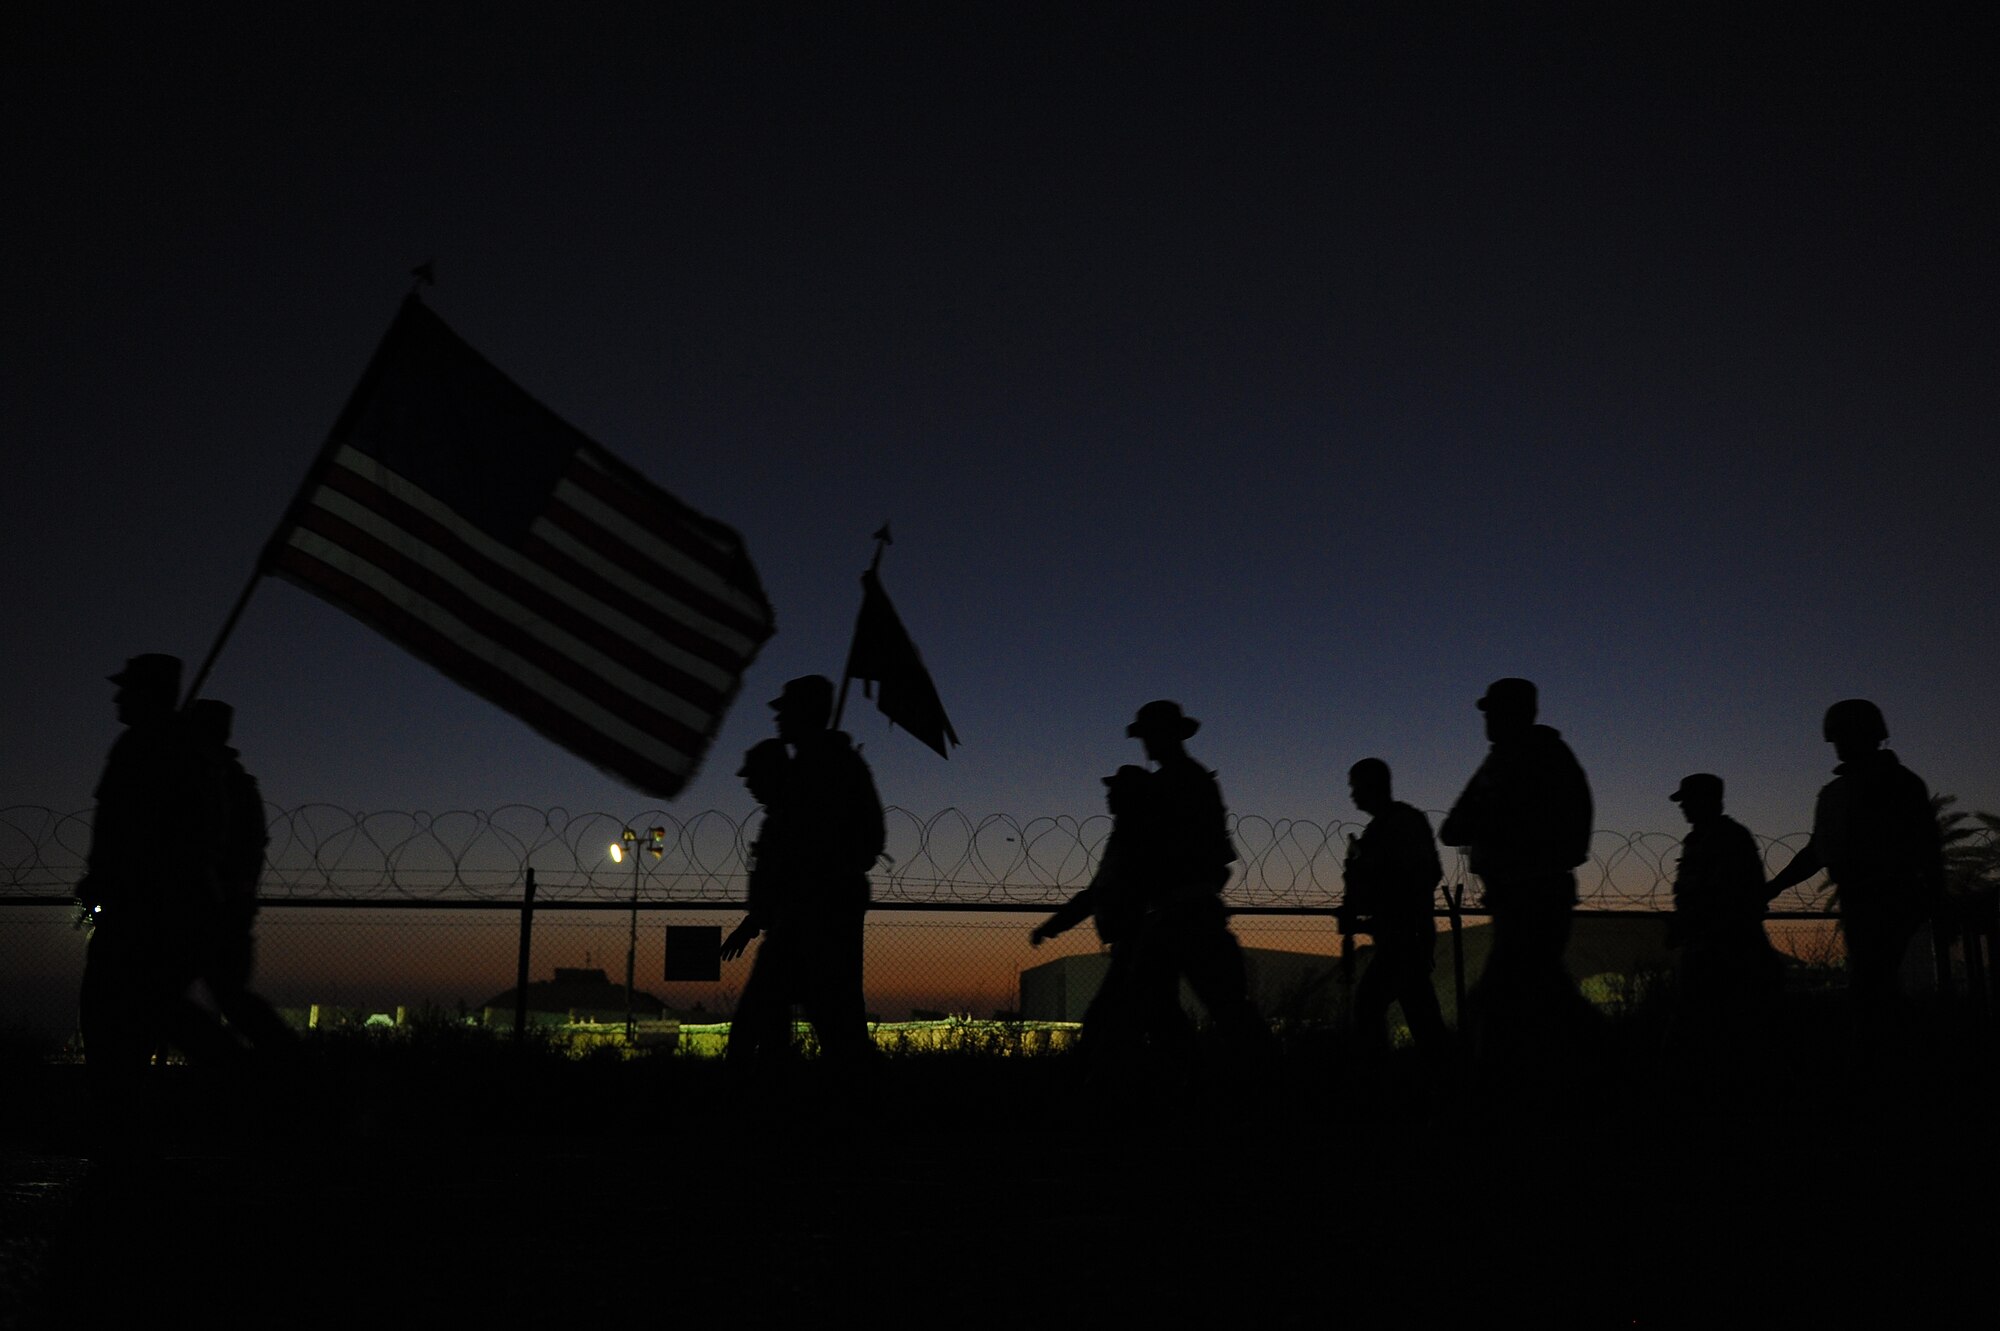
[836, 833]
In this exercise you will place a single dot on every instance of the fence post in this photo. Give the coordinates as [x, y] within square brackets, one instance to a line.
[521, 966]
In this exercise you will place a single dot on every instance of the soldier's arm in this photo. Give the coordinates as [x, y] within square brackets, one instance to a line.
[1072, 913]
[1583, 812]
[870, 825]
[118, 841]
[1803, 866]
[253, 812]
[1419, 869]
[739, 938]
[1453, 831]
[1746, 865]
[1463, 825]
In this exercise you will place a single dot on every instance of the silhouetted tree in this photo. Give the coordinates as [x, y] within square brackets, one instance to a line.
[1971, 900]
[1971, 846]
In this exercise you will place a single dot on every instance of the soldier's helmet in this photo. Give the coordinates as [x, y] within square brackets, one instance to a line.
[1854, 719]
[152, 675]
[1701, 787]
[809, 698]
[1369, 772]
[1510, 697]
[1162, 716]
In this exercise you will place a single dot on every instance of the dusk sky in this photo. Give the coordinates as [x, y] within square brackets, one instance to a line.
[1312, 371]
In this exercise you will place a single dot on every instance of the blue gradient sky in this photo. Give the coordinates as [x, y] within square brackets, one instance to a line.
[1312, 372]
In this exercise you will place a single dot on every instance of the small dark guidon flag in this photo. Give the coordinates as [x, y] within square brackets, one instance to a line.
[886, 662]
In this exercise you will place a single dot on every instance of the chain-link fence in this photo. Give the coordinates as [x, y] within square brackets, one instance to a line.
[377, 916]
[949, 858]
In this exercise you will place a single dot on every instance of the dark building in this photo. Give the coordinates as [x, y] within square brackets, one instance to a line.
[576, 996]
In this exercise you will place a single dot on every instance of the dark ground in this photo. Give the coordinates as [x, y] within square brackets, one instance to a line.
[443, 1182]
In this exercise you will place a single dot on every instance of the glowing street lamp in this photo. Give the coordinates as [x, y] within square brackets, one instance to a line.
[656, 843]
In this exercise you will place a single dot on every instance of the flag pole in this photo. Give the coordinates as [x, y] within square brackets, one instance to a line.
[228, 627]
[285, 523]
[882, 539]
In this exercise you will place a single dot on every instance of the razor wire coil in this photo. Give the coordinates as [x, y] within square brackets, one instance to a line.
[947, 858]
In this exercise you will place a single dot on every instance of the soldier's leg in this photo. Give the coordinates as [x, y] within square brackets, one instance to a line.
[761, 1026]
[1555, 918]
[115, 1019]
[228, 980]
[1510, 954]
[1372, 995]
[250, 1014]
[833, 989]
[178, 953]
[1417, 992]
[1112, 1024]
[1526, 1004]
[1876, 942]
[111, 1008]
[1156, 983]
[1219, 978]
[1534, 940]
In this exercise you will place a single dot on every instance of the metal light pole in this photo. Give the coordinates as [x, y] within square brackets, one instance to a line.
[627, 844]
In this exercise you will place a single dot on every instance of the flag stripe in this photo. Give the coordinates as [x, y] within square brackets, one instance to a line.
[478, 621]
[467, 522]
[609, 585]
[627, 549]
[725, 648]
[644, 763]
[654, 511]
[394, 504]
[330, 507]
[586, 545]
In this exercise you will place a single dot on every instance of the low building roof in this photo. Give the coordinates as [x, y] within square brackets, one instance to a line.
[576, 989]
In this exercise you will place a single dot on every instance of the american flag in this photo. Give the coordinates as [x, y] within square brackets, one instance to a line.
[467, 522]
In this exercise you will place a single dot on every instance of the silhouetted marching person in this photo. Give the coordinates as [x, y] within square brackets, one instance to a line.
[150, 886]
[1525, 821]
[1391, 877]
[1189, 851]
[1121, 1014]
[230, 957]
[1875, 834]
[837, 834]
[762, 1024]
[1727, 969]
